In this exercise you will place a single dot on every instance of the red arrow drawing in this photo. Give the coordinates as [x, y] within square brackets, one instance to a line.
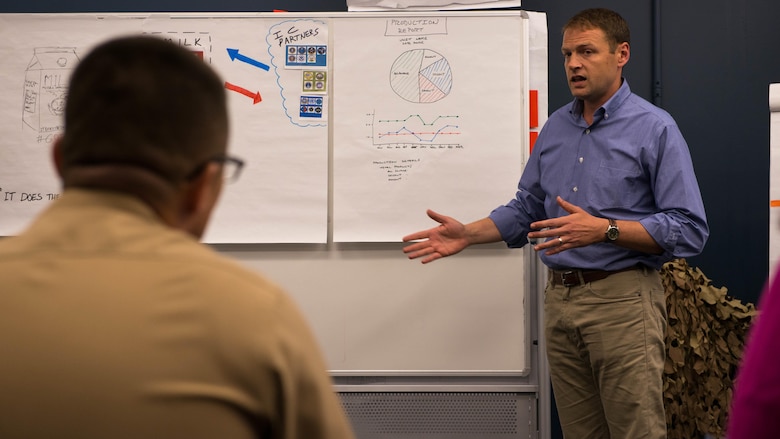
[254, 95]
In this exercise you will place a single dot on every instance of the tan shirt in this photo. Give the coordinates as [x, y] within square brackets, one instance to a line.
[113, 325]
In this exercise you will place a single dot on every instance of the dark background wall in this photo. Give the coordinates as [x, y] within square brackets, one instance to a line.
[716, 61]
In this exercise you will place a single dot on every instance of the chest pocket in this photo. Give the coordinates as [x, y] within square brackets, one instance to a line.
[615, 187]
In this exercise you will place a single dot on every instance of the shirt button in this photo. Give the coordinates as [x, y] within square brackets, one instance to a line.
[581, 159]
[574, 189]
[606, 115]
[587, 131]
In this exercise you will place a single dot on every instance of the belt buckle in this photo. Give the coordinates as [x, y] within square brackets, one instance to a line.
[564, 275]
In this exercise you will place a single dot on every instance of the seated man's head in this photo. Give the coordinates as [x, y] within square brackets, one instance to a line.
[149, 118]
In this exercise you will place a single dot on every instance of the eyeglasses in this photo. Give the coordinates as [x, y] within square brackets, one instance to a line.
[231, 167]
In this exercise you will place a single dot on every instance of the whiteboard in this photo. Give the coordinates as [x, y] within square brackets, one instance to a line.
[376, 313]
[373, 311]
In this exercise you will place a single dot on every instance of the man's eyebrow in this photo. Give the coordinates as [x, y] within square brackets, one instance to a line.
[578, 47]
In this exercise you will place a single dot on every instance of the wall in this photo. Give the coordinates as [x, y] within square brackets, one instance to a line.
[174, 6]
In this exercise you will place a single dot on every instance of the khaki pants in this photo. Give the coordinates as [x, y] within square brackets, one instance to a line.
[606, 349]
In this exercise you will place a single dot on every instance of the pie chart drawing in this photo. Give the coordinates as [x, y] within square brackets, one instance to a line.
[421, 76]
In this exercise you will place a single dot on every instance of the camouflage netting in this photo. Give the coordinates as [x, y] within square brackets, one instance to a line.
[704, 342]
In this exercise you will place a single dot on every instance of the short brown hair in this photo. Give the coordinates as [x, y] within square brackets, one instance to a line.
[146, 102]
[614, 26]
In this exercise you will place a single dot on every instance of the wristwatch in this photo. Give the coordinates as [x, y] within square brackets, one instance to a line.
[612, 231]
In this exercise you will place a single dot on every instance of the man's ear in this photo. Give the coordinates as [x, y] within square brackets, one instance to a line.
[199, 197]
[624, 53]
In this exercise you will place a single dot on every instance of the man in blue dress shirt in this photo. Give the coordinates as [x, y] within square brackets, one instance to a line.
[609, 194]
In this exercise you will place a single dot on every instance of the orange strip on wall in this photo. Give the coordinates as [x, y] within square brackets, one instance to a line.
[533, 96]
[534, 135]
[774, 203]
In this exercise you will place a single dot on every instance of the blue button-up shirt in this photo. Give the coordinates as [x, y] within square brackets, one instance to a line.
[632, 163]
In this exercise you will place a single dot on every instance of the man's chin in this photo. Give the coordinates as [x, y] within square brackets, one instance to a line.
[578, 92]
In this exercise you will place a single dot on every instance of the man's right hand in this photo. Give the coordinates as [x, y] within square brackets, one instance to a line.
[446, 239]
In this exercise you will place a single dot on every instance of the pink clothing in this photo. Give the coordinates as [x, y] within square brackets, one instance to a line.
[755, 408]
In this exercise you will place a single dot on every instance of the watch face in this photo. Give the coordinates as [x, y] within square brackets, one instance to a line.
[612, 233]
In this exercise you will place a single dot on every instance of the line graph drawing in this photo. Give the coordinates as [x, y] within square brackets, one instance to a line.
[421, 76]
[423, 136]
[413, 131]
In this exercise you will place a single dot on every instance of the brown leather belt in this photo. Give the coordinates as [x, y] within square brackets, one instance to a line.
[574, 277]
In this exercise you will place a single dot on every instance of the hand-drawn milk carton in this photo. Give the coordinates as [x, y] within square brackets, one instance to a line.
[46, 86]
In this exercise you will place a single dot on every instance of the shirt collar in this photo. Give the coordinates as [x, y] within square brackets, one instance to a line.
[609, 107]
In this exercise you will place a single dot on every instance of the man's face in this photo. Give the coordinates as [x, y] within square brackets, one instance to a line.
[592, 70]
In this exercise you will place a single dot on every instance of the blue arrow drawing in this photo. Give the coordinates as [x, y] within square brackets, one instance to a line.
[234, 55]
